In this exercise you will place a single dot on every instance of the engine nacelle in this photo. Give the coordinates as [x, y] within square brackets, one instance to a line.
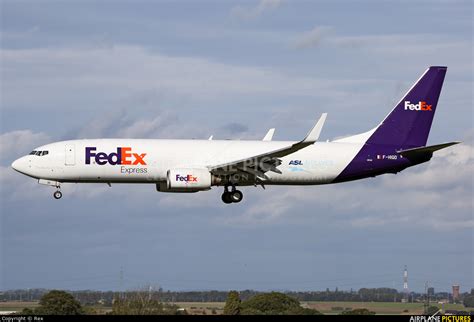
[163, 187]
[188, 179]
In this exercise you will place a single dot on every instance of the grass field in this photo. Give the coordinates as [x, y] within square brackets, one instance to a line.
[377, 307]
[199, 307]
[210, 308]
[207, 308]
[17, 305]
[331, 307]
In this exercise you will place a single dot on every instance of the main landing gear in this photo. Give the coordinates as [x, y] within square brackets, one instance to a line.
[232, 196]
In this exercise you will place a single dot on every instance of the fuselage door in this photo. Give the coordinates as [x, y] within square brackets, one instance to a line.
[70, 154]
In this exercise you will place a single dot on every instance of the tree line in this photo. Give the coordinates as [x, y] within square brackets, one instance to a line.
[89, 297]
[58, 302]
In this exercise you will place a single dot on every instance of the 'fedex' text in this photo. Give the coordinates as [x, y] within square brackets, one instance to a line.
[123, 156]
[188, 178]
[421, 106]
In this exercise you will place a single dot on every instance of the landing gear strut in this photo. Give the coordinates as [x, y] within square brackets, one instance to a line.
[57, 194]
[232, 196]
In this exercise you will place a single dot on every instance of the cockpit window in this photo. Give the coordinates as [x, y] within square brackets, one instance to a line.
[39, 153]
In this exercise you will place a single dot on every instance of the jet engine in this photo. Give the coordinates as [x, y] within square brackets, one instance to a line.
[187, 180]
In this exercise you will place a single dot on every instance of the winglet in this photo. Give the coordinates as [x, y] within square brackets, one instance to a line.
[211, 137]
[313, 135]
[269, 135]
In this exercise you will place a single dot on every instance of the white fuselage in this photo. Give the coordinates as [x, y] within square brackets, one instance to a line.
[147, 161]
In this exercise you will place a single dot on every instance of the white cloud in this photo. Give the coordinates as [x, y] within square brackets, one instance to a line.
[256, 11]
[425, 48]
[457, 162]
[19, 35]
[102, 126]
[126, 78]
[411, 44]
[312, 38]
[147, 128]
[18, 143]
[13, 145]
[125, 124]
[59, 76]
[15, 186]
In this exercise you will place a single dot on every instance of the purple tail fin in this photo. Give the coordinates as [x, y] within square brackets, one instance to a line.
[409, 123]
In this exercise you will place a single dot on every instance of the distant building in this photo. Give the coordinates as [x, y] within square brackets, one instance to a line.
[455, 292]
[431, 291]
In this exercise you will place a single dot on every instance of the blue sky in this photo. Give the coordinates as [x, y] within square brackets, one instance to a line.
[189, 69]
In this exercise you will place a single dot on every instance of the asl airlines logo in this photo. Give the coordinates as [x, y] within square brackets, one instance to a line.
[296, 162]
[188, 178]
[123, 156]
[421, 106]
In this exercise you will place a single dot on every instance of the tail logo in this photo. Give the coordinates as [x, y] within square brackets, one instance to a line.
[421, 106]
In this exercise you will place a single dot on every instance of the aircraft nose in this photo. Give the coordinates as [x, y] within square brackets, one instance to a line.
[15, 164]
[19, 165]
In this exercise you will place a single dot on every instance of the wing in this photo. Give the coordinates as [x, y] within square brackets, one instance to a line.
[257, 165]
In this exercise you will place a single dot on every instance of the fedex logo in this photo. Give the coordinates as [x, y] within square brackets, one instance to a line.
[421, 106]
[123, 156]
[188, 178]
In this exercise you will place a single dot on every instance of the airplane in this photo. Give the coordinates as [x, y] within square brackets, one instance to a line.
[185, 166]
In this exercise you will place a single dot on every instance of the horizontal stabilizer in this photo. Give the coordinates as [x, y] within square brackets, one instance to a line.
[413, 153]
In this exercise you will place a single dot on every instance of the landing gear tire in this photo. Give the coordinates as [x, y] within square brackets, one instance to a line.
[226, 197]
[232, 196]
[57, 195]
[236, 196]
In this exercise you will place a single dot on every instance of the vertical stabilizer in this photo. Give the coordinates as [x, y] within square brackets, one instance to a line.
[408, 124]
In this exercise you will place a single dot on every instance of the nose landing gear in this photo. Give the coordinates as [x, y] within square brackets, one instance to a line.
[56, 184]
[232, 196]
[57, 194]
